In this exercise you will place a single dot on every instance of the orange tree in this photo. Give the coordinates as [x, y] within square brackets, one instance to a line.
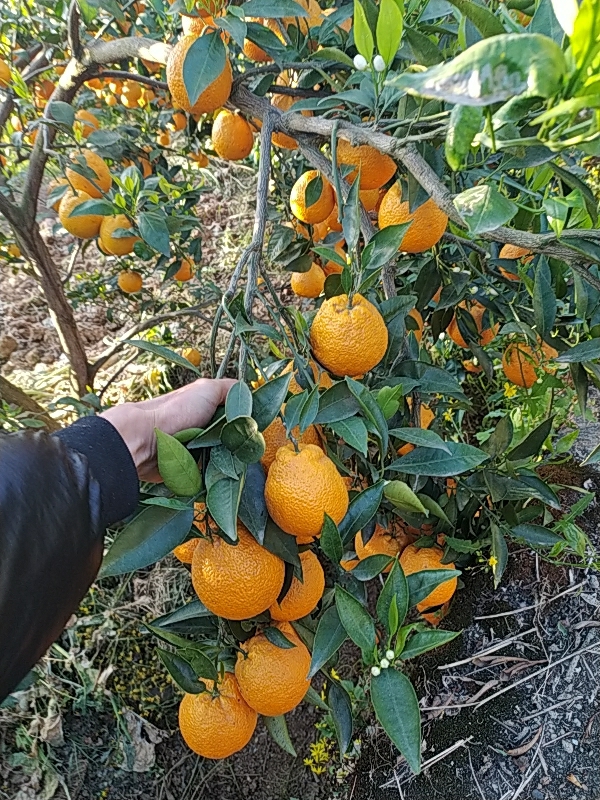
[428, 185]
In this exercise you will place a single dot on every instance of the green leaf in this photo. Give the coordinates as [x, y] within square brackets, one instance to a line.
[163, 352]
[421, 437]
[421, 584]
[394, 592]
[371, 410]
[313, 190]
[340, 707]
[401, 496]
[582, 352]
[361, 510]
[333, 54]
[61, 112]
[384, 245]
[536, 535]
[177, 466]
[356, 620]
[423, 641]
[278, 729]
[388, 400]
[280, 240]
[187, 435]
[222, 501]
[100, 207]
[253, 509]
[314, 698]
[330, 541]
[309, 410]
[397, 710]
[153, 229]
[203, 63]
[281, 544]
[268, 399]
[425, 50]
[499, 553]
[351, 214]
[277, 638]
[238, 402]
[439, 464]
[185, 619]
[464, 125]
[353, 431]
[146, 539]
[181, 671]
[242, 437]
[486, 23]
[363, 38]
[501, 438]
[200, 663]
[532, 444]
[225, 462]
[166, 502]
[586, 32]
[336, 404]
[492, 71]
[236, 27]
[544, 301]
[329, 637]
[211, 436]
[484, 209]
[369, 567]
[273, 9]
[389, 30]
[433, 507]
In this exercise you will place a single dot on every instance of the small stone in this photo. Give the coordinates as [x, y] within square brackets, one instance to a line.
[537, 795]
[567, 746]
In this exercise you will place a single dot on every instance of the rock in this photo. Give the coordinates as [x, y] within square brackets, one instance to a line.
[537, 795]
[8, 345]
[567, 746]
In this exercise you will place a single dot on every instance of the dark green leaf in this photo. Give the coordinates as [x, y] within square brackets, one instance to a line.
[309, 410]
[582, 352]
[423, 641]
[153, 229]
[499, 553]
[268, 399]
[239, 401]
[356, 620]
[336, 404]
[184, 619]
[273, 9]
[501, 438]
[236, 27]
[313, 191]
[225, 462]
[100, 207]
[281, 544]
[177, 466]
[437, 463]
[166, 502]
[61, 112]
[465, 124]
[371, 410]
[351, 215]
[485, 21]
[146, 539]
[203, 63]
[187, 435]
[277, 638]
[536, 535]
[397, 709]
[384, 246]
[201, 664]
[401, 496]
[222, 500]
[341, 712]
[433, 507]
[421, 584]
[329, 637]
[544, 301]
[314, 698]
[353, 431]
[532, 444]
[211, 436]
[369, 567]
[421, 437]
[277, 727]
[361, 510]
[181, 671]
[164, 352]
[333, 54]
[242, 437]
[253, 509]
[425, 50]
[330, 541]
[394, 589]
[484, 209]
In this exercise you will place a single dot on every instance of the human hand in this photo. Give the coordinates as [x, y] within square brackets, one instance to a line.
[192, 406]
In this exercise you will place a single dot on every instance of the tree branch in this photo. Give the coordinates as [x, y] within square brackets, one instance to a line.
[133, 76]
[73, 37]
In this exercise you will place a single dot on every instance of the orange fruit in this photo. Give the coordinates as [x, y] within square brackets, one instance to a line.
[14, 250]
[319, 375]
[515, 252]
[302, 596]
[273, 680]
[185, 552]
[252, 50]
[348, 337]
[301, 488]
[319, 210]
[128, 280]
[116, 245]
[520, 364]
[418, 559]
[236, 581]
[369, 198]
[314, 19]
[143, 162]
[185, 271]
[428, 222]
[131, 93]
[53, 184]
[85, 226]
[376, 168]
[275, 437]
[195, 26]
[418, 333]
[95, 84]
[308, 284]
[477, 311]
[383, 542]
[213, 97]
[346, 25]
[87, 122]
[102, 179]
[231, 136]
[200, 158]
[332, 267]
[192, 355]
[216, 726]
[5, 76]
[163, 138]
[178, 121]
[470, 366]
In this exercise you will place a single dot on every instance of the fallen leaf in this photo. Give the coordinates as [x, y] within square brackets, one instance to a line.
[525, 748]
[576, 782]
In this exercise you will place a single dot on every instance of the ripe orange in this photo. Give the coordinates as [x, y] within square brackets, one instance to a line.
[53, 184]
[348, 337]
[85, 226]
[275, 437]
[192, 355]
[129, 281]
[470, 366]
[516, 253]
[213, 97]
[178, 121]
[369, 198]
[376, 168]
[332, 267]
[418, 333]
[302, 596]
[185, 552]
[520, 364]
[87, 122]
[14, 250]
[319, 210]
[185, 271]
[236, 581]
[308, 284]
[101, 182]
[417, 559]
[116, 246]
[301, 488]
[477, 311]
[163, 138]
[5, 76]
[252, 50]
[216, 726]
[231, 136]
[131, 93]
[273, 680]
[314, 19]
[383, 542]
[426, 415]
[323, 378]
[200, 158]
[428, 222]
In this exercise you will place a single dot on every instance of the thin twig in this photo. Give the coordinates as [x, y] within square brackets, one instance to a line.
[492, 649]
[542, 602]
[72, 261]
[133, 76]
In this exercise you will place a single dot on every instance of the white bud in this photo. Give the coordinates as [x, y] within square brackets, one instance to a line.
[379, 64]
[384, 663]
[456, 269]
[473, 289]
[475, 360]
[375, 671]
[492, 293]
[442, 336]
[390, 655]
[360, 62]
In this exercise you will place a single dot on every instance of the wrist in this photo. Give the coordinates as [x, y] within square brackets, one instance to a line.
[136, 429]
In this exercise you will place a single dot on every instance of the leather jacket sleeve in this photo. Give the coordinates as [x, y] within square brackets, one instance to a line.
[58, 493]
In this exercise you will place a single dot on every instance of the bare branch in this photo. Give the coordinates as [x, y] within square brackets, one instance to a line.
[133, 76]
[73, 36]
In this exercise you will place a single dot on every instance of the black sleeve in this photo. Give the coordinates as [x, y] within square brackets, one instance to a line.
[57, 495]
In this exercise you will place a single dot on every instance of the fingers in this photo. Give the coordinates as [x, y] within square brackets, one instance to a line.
[193, 405]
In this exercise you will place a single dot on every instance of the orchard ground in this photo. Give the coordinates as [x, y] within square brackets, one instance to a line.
[115, 736]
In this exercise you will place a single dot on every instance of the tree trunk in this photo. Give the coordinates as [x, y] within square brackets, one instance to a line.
[17, 397]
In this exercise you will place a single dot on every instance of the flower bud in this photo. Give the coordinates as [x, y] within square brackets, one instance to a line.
[384, 663]
[360, 62]
[390, 655]
[379, 64]
[375, 671]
